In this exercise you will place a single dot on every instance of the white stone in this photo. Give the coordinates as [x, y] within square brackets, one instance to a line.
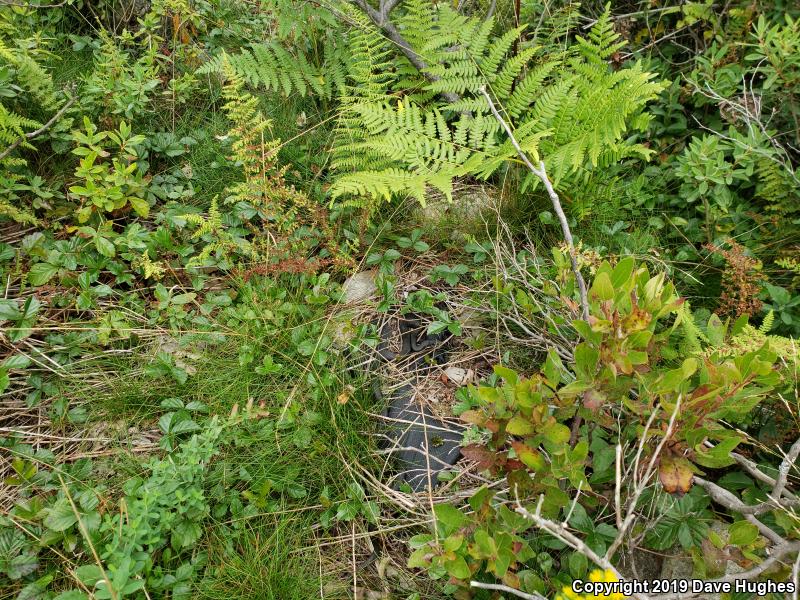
[360, 287]
[458, 375]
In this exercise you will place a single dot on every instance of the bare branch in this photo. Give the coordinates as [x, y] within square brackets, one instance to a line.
[381, 20]
[504, 588]
[766, 531]
[490, 12]
[730, 501]
[560, 532]
[386, 8]
[783, 470]
[542, 175]
[787, 499]
[33, 134]
[778, 553]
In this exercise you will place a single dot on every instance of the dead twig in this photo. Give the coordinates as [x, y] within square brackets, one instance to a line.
[380, 17]
[541, 173]
[504, 588]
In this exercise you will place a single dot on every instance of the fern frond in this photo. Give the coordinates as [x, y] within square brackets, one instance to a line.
[602, 40]
[271, 67]
[387, 183]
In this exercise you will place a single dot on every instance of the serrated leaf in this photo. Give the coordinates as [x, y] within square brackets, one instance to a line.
[41, 273]
[105, 246]
[60, 516]
[185, 426]
[21, 565]
[172, 403]
[9, 310]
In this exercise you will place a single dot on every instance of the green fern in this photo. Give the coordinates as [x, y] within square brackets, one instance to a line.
[693, 339]
[570, 108]
[767, 323]
[218, 239]
[368, 77]
[28, 87]
[271, 67]
[776, 188]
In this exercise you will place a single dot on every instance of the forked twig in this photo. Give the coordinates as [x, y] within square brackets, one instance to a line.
[541, 173]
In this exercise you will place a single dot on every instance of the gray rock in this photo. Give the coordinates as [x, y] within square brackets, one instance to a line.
[641, 564]
[459, 376]
[466, 209]
[677, 565]
[360, 287]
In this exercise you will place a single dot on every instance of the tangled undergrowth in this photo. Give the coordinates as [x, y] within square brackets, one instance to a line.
[235, 235]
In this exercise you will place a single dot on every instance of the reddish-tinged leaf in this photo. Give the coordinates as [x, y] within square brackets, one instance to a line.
[533, 459]
[675, 473]
[486, 459]
[593, 399]
[473, 417]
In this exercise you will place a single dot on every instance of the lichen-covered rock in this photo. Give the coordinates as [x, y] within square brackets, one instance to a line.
[360, 287]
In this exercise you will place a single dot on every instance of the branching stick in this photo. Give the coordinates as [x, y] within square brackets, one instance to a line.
[548, 185]
[380, 17]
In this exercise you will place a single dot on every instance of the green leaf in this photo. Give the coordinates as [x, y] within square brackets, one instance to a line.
[533, 459]
[586, 359]
[449, 516]
[458, 568]
[105, 246]
[21, 565]
[165, 422]
[9, 310]
[60, 516]
[182, 299]
[578, 564]
[35, 590]
[172, 403]
[742, 533]
[139, 205]
[72, 595]
[453, 542]
[89, 575]
[719, 456]
[622, 272]
[602, 287]
[41, 273]
[16, 361]
[185, 426]
[519, 425]
[509, 375]
[556, 434]
[303, 437]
